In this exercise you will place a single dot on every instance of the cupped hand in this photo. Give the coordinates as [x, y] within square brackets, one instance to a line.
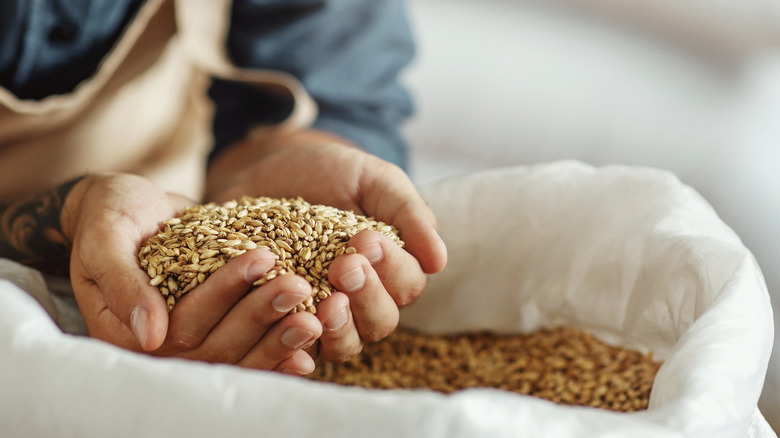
[225, 319]
[380, 277]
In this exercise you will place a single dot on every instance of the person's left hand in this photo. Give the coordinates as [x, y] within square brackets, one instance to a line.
[223, 320]
[380, 277]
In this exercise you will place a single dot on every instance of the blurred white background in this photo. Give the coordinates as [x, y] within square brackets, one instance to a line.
[692, 88]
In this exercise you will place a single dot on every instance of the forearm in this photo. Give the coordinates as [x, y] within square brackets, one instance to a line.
[31, 230]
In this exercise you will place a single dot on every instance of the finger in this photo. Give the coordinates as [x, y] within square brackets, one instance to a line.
[199, 311]
[373, 309]
[400, 273]
[293, 333]
[299, 364]
[340, 341]
[391, 197]
[250, 319]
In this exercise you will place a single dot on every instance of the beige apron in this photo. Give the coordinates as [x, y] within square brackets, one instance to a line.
[144, 111]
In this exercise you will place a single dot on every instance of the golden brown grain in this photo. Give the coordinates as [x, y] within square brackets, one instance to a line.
[564, 365]
[304, 238]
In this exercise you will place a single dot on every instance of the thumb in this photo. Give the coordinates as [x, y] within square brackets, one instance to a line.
[138, 305]
[120, 286]
[391, 197]
[148, 319]
[417, 228]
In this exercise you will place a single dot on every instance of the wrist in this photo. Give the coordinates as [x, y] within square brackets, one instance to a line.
[72, 205]
[32, 233]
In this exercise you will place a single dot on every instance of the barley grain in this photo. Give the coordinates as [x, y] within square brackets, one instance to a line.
[305, 238]
[564, 365]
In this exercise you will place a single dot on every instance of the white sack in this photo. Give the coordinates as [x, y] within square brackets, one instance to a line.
[629, 254]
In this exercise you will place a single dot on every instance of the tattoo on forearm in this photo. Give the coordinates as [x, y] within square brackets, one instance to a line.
[31, 233]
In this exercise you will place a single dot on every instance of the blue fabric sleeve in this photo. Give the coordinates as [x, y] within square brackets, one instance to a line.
[347, 54]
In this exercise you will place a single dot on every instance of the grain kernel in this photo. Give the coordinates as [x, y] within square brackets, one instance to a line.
[305, 238]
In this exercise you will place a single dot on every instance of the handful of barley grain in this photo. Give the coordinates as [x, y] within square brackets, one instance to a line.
[304, 237]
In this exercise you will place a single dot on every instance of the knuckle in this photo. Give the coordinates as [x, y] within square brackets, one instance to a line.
[182, 341]
[341, 355]
[376, 334]
[258, 362]
[218, 356]
[260, 319]
[407, 298]
[412, 293]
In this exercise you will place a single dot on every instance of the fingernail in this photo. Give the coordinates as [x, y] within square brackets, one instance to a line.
[373, 252]
[292, 372]
[284, 302]
[295, 337]
[138, 319]
[257, 269]
[295, 372]
[337, 321]
[353, 280]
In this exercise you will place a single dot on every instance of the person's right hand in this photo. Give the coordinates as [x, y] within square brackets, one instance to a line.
[225, 319]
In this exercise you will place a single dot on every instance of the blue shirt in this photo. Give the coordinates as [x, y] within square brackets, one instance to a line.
[347, 54]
